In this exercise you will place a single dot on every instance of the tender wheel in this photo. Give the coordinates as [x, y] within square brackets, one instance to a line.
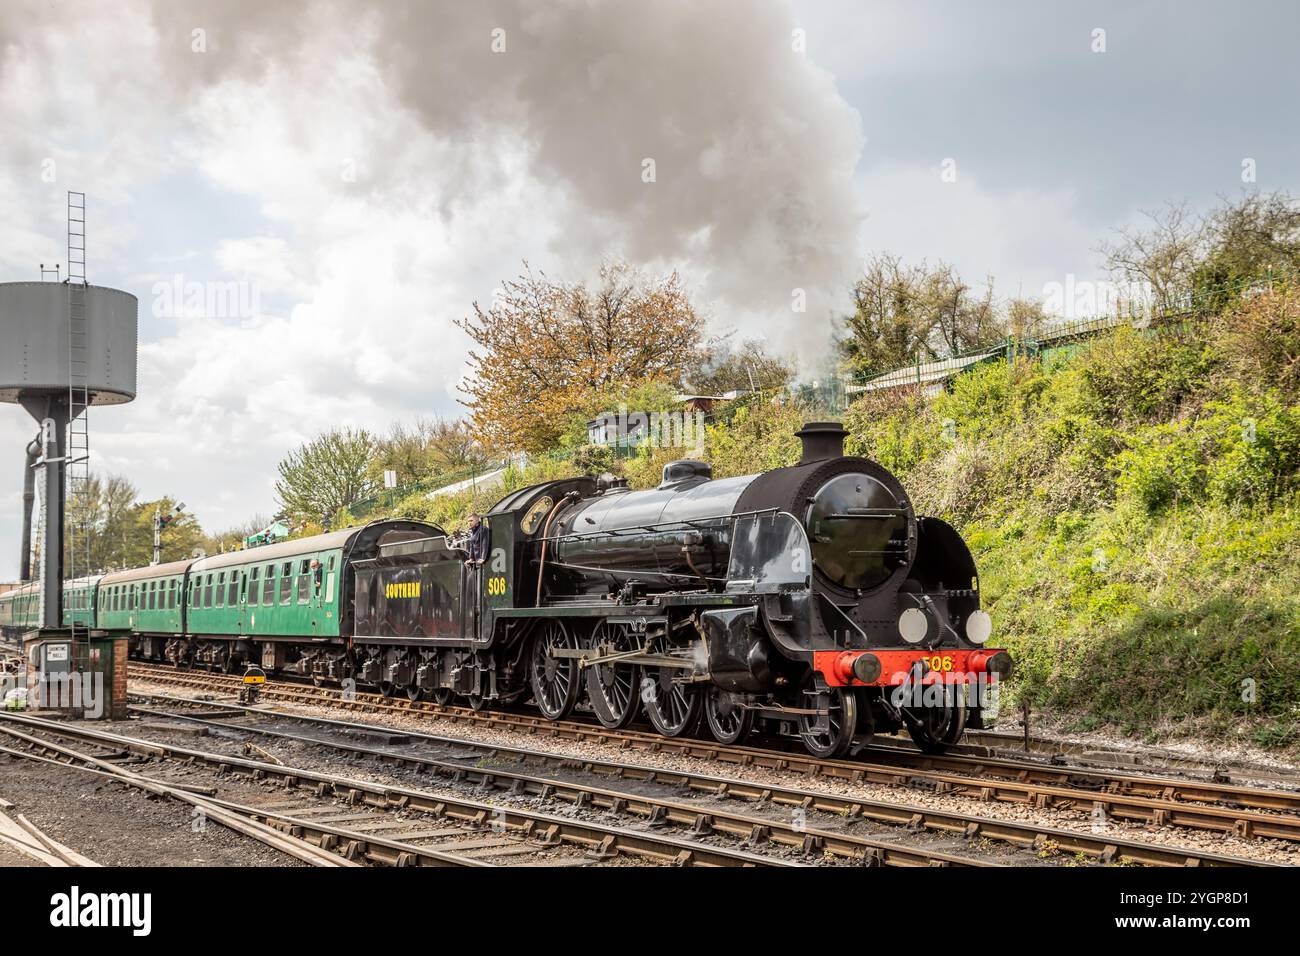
[836, 737]
[413, 693]
[476, 703]
[387, 688]
[554, 679]
[613, 689]
[442, 696]
[728, 720]
[935, 729]
[673, 706]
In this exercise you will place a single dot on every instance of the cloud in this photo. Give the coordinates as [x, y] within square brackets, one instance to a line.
[1023, 239]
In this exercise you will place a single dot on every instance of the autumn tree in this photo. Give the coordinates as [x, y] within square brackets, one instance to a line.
[544, 347]
[327, 473]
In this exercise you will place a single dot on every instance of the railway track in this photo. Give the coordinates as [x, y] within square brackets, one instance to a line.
[1153, 800]
[487, 765]
[440, 829]
[994, 743]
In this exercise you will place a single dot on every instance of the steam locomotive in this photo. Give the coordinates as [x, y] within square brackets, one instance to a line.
[809, 600]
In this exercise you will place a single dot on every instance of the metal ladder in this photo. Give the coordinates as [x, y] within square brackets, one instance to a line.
[77, 455]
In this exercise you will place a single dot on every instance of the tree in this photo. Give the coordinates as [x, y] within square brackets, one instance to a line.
[958, 320]
[118, 529]
[1182, 254]
[1247, 239]
[427, 448]
[1025, 318]
[1160, 258]
[724, 368]
[327, 473]
[543, 346]
[907, 313]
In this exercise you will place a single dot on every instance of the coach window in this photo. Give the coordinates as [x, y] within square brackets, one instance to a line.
[207, 590]
[286, 582]
[194, 594]
[221, 589]
[252, 586]
[304, 581]
[268, 585]
[232, 590]
[149, 596]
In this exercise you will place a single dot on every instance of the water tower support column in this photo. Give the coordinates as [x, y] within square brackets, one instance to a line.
[51, 411]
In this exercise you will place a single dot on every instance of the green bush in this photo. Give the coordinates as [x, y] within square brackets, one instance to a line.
[1133, 510]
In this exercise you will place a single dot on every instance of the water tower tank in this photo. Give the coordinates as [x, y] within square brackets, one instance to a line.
[34, 336]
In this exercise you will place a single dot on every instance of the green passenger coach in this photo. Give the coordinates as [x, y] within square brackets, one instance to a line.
[144, 601]
[20, 610]
[259, 605]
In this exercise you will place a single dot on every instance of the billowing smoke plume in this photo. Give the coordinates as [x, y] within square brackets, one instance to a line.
[685, 134]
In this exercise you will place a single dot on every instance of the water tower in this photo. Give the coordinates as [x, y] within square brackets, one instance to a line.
[65, 346]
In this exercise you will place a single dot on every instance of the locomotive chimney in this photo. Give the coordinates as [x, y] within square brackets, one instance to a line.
[821, 440]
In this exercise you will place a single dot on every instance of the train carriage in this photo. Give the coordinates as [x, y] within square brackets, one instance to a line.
[20, 610]
[283, 606]
[146, 602]
[79, 601]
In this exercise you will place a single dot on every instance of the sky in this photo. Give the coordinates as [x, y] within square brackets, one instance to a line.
[363, 174]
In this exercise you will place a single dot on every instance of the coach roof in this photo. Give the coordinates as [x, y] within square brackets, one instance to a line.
[168, 570]
[275, 552]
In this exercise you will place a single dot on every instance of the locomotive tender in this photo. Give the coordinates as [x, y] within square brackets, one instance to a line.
[810, 599]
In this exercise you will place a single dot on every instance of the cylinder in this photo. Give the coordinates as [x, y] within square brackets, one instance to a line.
[29, 500]
[34, 326]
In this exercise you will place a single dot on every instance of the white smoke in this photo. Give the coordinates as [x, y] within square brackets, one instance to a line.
[750, 147]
